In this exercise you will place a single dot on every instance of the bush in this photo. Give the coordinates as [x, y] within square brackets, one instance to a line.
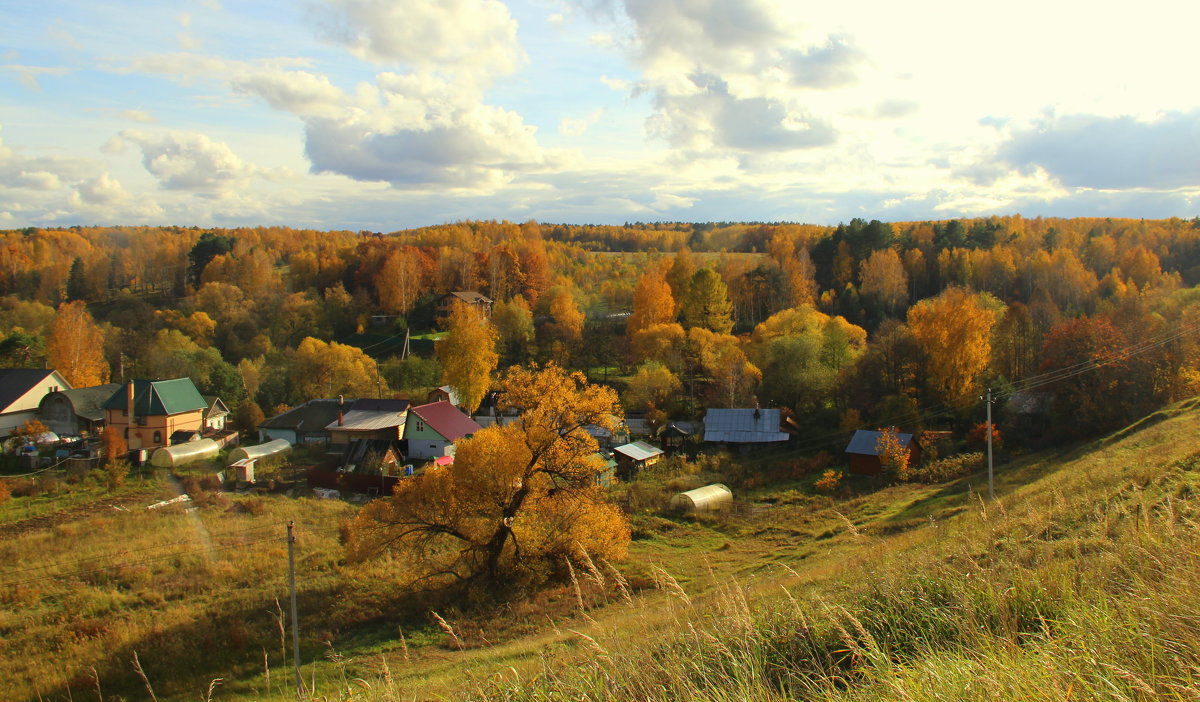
[5, 492]
[829, 482]
[947, 468]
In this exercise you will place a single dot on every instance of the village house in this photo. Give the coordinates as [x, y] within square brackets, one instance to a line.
[469, 297]
[154, 413]
[445, 393]
[21, 394]
[303, 424]
[635, 456]
[863, 451]
[216, 415]
[744, 427]
[76, 412]
[366, 418]
[432, 429]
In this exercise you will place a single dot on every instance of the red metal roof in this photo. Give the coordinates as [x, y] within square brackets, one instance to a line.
[446, 419]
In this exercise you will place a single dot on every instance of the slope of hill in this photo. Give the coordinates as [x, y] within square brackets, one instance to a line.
[1078, 583]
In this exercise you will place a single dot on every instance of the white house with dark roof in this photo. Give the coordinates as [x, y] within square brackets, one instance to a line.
[21, 394]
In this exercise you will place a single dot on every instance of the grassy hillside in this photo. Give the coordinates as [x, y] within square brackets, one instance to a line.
[1075, 584]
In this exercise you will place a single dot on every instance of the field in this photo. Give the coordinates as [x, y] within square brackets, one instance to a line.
[1075, 584]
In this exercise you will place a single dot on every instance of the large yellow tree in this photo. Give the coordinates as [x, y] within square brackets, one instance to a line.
[320, 369]
[468, 354]
[652, 302]
[517, 499]
[76, 346]
[954, 331]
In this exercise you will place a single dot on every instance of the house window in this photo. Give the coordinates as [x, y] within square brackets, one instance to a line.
[126, 433]
[158, 437]
[420, 426]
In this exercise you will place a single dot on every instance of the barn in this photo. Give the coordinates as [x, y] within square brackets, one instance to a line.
[863, 451]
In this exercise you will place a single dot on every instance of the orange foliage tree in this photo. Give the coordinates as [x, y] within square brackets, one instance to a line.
[114, 449]
[954, 331]
[652, 302]
[893, 456]
[517, 499]
[76, 346]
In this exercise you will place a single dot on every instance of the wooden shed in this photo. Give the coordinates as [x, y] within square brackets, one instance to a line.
[863, 451]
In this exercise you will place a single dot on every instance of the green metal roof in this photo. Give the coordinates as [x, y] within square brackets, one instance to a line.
[159, 397]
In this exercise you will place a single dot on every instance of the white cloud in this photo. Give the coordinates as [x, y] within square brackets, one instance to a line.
[1092, 151]
[556, 19]
[102, 190]
[420, 130]
[736, 76]
[138, 116]
[28, 75]
[615, 83]
[466, 36]
[38, 180]
[299, 92]
[191, 162]
[568, 126]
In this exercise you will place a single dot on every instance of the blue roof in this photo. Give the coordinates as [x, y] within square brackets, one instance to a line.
[866, 442]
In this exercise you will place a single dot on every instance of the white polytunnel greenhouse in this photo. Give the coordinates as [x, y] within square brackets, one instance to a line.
[187, 452]
[703, 499]
[271, 448]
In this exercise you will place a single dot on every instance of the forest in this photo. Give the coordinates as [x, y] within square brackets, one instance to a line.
[1077, 325]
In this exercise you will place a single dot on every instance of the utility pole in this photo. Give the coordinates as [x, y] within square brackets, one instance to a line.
[295, 626]
[991, 492]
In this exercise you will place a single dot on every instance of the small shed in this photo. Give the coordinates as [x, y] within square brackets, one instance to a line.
[863, 451]
[445, 393]
[703, 499]
[635, 456]
[182, 454]
[673, 436]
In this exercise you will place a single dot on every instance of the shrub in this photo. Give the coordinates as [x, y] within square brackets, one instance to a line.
[829, 481]
[5, 492]
[947, 468]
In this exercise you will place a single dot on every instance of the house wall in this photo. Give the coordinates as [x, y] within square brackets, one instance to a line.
[423, 441]
[12, 420]
[25, 407]
[58, 413]
[266, 434]
[864, 465]
[141, 435]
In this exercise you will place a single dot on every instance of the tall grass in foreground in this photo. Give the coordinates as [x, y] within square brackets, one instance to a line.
[1080, 586]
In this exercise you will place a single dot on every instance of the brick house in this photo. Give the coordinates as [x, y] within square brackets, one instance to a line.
[160, 409]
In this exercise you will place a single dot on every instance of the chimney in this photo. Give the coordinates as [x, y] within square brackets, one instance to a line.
[129, 400]
[339, 410]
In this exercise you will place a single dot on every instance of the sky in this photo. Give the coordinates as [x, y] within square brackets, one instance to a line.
[388, 114]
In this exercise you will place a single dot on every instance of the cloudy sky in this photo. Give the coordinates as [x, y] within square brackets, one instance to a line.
[386, 114]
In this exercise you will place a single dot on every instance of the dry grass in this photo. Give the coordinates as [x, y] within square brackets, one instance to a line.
[1077, 584]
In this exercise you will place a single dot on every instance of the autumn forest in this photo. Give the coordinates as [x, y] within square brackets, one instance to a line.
[859, 324]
